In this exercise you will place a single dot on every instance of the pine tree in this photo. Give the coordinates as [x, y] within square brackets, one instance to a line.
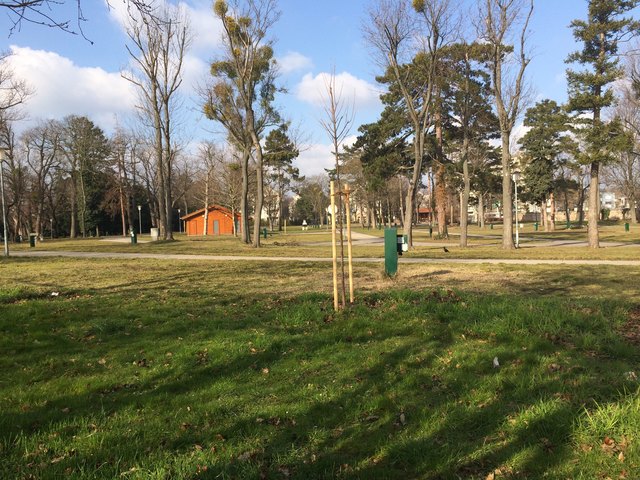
[467, 89]
[279, 153]
[590, 89]
[543, 144]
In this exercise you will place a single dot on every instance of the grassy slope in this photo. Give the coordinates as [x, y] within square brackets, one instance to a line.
[157, 369]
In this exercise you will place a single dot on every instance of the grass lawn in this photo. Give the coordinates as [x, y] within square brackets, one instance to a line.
[483, 244]
[151, 369]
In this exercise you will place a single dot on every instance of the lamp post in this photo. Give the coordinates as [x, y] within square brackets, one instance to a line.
[139, 219]
[516, 177]
[51, 225]
[179, 222]
[4, 210]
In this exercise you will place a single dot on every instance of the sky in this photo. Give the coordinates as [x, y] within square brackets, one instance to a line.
[74, 75]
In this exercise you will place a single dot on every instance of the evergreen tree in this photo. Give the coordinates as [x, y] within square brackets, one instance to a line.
[590, 89]
[279, 153]
[544, 143]
[467, 88]
[86, 149]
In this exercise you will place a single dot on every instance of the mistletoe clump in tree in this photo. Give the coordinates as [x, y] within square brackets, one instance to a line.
[243, 89]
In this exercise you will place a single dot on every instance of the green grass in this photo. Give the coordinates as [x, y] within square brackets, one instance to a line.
[483, 244]
[158, 369]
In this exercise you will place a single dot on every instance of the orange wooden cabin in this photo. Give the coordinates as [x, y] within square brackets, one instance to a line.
[220, 221]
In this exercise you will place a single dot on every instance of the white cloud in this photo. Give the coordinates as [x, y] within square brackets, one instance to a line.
[205, 32]
[63, 88]
[194, 73]
[293, 62]
[314, 160]
[204, 27]
[352, 89]
[517, 133]
[318, 157]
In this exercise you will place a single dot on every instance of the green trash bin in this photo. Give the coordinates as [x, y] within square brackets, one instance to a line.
[430, 231]
[134, 237]
[626, 227]
[32, 239]
[491, 226]
[535, 227]
[264, 233]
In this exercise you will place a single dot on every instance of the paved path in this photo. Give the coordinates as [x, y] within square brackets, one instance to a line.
[229, 258]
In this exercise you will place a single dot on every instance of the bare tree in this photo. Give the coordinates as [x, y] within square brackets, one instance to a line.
[624, 173]
[231, 184]
[46, 13]
[158, 44]
[42, 146]
[241, 98]
[398, 37]
[13, 93]
[499, 23]
[337, 122]
[209, 157]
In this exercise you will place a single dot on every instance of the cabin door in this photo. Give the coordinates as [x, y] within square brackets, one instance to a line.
[216, 227]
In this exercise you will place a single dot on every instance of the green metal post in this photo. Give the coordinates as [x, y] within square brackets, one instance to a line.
[626, 227]
[391, 251]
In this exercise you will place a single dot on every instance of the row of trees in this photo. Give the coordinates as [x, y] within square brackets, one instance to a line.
[450, 95]
[453, 91]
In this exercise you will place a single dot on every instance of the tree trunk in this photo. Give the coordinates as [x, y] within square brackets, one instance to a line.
[441, 201]
[481, 211]
[544, 218]
[73, 228]
[168, 187]
[233, 221]
[205, 229]
[373, 216]
[441, 189]
[507, 214]
[464, 202]
[552, 219]
[259, 200]
[581, 207]
[412, 190]
[452, 210]
[594, 206]
[244, 198]
[83, 206]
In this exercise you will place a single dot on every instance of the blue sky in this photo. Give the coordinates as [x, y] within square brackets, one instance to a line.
[73, 76]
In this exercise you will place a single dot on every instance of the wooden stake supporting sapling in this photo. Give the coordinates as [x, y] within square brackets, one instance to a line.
[347, 207]
[334, 250]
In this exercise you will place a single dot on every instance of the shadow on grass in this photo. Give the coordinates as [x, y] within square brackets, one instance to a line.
[400, 386]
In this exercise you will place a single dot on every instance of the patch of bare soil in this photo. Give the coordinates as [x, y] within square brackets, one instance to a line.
[631, 329]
